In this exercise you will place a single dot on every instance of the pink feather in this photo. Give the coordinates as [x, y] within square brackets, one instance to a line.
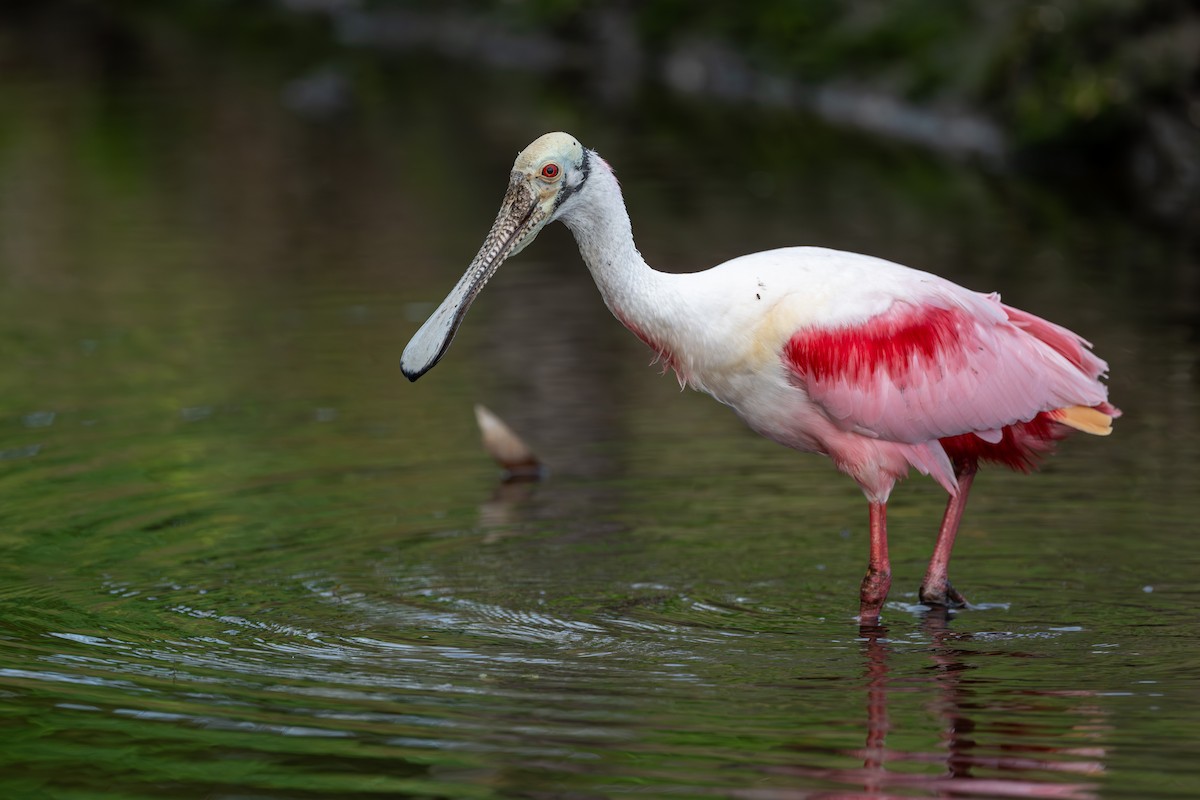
[954, 364]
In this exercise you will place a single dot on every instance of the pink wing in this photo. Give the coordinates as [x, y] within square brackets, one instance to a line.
[947, 364]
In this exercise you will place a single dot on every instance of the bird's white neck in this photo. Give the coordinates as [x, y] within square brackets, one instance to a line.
[602, 230]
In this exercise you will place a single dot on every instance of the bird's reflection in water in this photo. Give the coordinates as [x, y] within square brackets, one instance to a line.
[971, 766]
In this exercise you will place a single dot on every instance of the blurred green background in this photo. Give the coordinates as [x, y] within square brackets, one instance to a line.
[1106, 91]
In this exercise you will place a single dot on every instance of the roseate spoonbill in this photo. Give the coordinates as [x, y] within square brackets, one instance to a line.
[878, 366]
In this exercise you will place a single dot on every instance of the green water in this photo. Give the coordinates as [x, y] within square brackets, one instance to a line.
[243, 557]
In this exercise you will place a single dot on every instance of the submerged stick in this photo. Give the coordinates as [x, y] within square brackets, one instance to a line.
[506, 448]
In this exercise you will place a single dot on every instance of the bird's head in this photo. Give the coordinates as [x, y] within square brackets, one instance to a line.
[550, 172]
[544, 179]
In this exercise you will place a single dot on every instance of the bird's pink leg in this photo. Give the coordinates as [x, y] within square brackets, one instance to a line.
[879, 569]
[936, 589]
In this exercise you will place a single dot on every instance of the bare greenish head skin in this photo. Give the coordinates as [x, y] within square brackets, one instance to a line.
[545, 175]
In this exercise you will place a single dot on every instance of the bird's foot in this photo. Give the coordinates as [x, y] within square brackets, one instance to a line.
[943, 595]
[872, 595]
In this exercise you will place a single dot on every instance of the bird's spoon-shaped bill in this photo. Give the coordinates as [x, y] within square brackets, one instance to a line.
[516, 224]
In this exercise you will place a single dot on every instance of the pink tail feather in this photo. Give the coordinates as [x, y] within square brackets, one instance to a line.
[1068, 344]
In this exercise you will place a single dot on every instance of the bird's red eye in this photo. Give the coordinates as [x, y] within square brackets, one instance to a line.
[550, 171]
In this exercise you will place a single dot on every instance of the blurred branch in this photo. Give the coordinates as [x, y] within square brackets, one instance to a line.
[1046, 84]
